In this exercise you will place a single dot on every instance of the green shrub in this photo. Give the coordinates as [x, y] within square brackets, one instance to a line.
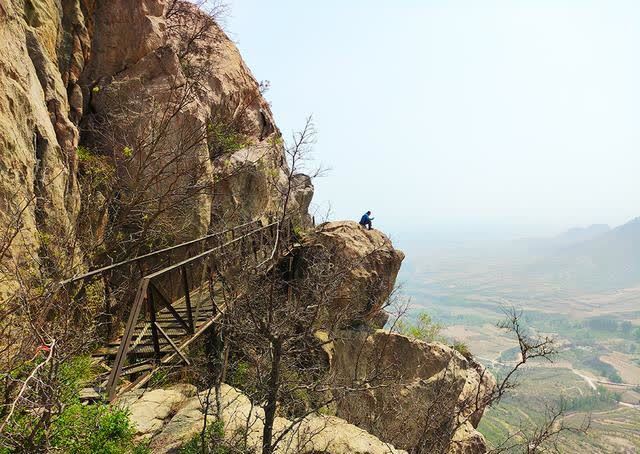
[75, 428]
[99, 429]
[72, 375]
[224, 139]
[159, 378]
[239, 375]
[462, 348]
[213, 441]
[424, 328]
[84, 153]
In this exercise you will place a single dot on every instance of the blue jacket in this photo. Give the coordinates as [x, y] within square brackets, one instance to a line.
[365, 219]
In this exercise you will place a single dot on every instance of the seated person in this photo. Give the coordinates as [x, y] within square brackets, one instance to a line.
[366, 219]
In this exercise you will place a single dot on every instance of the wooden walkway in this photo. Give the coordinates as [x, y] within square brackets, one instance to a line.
[176, 304]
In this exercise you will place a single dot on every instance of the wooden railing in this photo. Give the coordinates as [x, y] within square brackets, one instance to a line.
[179, 302]
[116, 279]
[159, 252]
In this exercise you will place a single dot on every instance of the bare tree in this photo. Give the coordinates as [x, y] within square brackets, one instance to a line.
[538, 438]
[546, 436]
[39, 325]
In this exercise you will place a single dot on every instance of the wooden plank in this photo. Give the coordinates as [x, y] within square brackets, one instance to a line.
[134, 370]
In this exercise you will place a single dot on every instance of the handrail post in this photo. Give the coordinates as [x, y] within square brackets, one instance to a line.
[151, 307]
[187, 298]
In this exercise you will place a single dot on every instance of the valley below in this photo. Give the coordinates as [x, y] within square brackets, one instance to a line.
[595, 375]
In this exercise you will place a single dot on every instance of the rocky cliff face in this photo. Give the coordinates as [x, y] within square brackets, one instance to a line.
[426, 396]
[43, 44]
[150, 80]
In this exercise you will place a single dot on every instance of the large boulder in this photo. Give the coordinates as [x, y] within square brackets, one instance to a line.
[372, 263]
[149, 410]
[171, 417]
[420, 395]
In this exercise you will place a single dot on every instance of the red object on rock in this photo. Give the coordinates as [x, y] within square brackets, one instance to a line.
[43, 348]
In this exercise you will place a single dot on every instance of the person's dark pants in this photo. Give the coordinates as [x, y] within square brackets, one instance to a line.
[366, 224]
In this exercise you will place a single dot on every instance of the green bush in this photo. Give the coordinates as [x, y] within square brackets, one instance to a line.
[73, 428]
[71, 376]
[462, 348]
[239, 375]
[99, 429]
[224, 139]
[84, 153]
[213, 441]
[424, 328]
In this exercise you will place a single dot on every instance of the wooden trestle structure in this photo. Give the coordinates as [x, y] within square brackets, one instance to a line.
[177, 299]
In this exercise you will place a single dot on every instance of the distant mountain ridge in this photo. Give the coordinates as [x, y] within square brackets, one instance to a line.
[580, 234]
[595, 257]
[542, 247]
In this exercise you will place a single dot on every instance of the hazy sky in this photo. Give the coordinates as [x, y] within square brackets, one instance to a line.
[458, 113]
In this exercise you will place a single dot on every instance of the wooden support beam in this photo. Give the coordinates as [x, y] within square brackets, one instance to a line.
[167, 359]
[167, 304]
[121, 356]
[173, 345]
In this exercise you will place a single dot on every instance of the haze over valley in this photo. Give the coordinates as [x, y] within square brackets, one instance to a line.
[581, 287]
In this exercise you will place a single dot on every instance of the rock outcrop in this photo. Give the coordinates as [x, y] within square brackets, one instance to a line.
[419, 394]
[373, 265]
[171, 417]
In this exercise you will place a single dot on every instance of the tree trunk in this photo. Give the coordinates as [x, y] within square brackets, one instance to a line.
[272, 399]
